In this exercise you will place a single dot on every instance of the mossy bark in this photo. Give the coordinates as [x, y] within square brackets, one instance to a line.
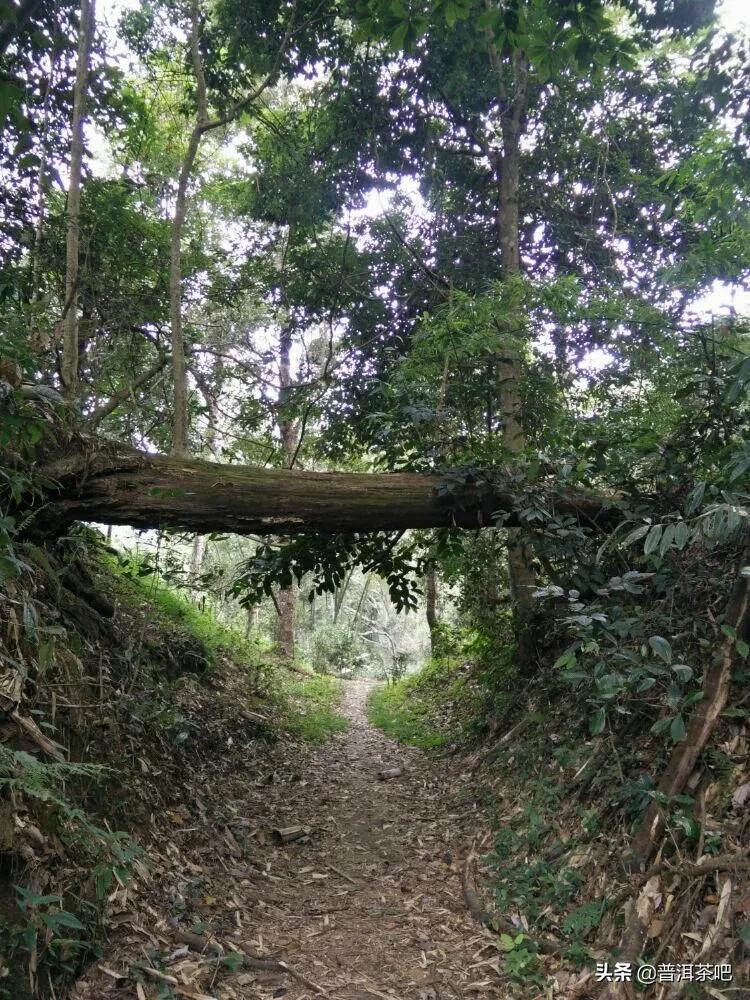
[113, 484]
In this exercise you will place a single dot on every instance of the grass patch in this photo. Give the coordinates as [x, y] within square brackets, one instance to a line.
[313, 708]
[305, 707]
[177, 608]
[389, 709]
[429, 709]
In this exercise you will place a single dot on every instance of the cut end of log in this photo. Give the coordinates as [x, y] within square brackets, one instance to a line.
[287, 834]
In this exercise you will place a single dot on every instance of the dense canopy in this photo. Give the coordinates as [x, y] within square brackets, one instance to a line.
[442, 293]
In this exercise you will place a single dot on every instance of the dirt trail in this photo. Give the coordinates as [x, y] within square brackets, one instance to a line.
[402, 930]
[369, 905]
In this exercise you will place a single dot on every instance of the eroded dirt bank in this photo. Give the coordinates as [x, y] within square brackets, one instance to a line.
[368, 905]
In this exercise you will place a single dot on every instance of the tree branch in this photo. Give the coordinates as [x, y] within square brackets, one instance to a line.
[95, 418]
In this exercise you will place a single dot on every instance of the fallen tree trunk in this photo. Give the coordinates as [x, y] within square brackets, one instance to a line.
[105, 482]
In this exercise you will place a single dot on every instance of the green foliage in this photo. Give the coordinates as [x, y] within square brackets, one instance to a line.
[313, 714]
[617, 662]
[521, 961]
[21, 431]
[581, 921]
[54, 939]
[336, 649]
[557, 36]
[707, 192]
[533, 887]
[177, 607]
[329, 558]
[24, 773]
[429, 709]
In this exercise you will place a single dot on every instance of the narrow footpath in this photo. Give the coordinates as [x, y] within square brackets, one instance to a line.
[367, 904]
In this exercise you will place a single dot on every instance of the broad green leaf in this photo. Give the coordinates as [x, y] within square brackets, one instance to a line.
[652, 539]
[677, 729]
[683, 671]
[567, 658]
[666, 539]
[661, 726]
[63, 919]
[635, 535]
[681, 535]
[398, 36]
[661, 648]
[695, 498]
[597, 721]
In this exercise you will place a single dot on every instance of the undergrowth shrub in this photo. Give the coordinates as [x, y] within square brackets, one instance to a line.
[49, 936]
[142, 573]
[336, 649]
[428, 709]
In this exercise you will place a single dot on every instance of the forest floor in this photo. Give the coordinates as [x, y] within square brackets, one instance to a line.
[368, 904]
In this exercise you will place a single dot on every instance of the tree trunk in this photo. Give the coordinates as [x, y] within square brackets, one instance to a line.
[431, 603]
[251, 622]
[521, 576]
[41, 204]
[115, 484]
[360, 602]
[286, 600]
[340, 594]
[211, 395]
[179, 370]
[69, 365]
[196, 556]
[202, 125]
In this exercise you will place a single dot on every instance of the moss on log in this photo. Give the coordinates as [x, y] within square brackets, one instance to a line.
[112, 484]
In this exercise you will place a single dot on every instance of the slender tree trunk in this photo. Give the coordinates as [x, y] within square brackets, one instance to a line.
[340, 595]
[202, 125]
[197, 555]
[362, 596]
[431, 602]
[69, 366]
[521, 576]
[179, 369]
[286, 598]
[251, 623]
[211, 395]
[41, 201]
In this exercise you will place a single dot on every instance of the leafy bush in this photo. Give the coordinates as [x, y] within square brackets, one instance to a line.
[335, 649]
[55, 939]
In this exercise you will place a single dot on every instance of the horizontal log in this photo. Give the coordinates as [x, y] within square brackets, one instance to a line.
[112, 484]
